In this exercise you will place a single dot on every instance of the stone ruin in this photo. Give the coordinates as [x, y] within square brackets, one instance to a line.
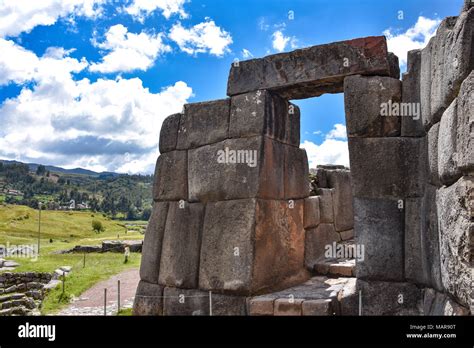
[234, 230]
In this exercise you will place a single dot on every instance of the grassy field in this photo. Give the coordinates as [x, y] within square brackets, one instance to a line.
[61, 230]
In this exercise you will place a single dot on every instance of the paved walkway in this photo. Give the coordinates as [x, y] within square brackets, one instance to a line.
[91, 302]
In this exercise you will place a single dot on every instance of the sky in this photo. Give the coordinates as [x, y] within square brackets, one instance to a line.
[88, 83]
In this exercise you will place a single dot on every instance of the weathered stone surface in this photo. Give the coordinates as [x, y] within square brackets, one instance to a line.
[311, 212]
[310, 72]
[448, 169]
[316, 241]
[413, 249]
[179, 265]
[169, 133]
[412, 126]
[171, 180]
[465, 126]
[326, 204]
[204, 123]
[432, 148]
[430, 239]
[456, 228]
[381, 298]
[152, 244]
[379, 228]
[148, 299]
[346, 235]
[179, 302]
[467, 5]
[212, 178]
[296, 174]
[261, 306]
[436, 303]
[425, 85]
[341, 181]
[287, 307]
[394, 65]
[317, 307]
[368, 103]
[264, 113]
[388, 171]
[252, 245]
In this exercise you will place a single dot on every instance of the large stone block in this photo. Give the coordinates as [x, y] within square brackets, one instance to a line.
[189, 302]
[368, 103]
[465, 126]
[326, 204]
[237, 168]
[312, 216]
[288, 307]
[252, 245]
[448, 169]
[259, 306]
[148, 299]
[179, 265]
[412, 126]
[413, 249]
[204, 123]
[379, 228]
[430, 239]
[169, 133]
[296, 173]
[436, 303]
[387, 167]
[171, 179]
[317, 239]
[432, 148]
[456, 226]
[312, 71]
[425, 85]
[152, 244]
[264, 113]
[341, 181]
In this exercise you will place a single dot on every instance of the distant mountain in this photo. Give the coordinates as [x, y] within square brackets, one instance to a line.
[76, 171]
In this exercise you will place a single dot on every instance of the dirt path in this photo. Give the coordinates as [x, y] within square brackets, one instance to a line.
[91, 302]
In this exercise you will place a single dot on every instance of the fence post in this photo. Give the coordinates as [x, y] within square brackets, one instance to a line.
[84, 263]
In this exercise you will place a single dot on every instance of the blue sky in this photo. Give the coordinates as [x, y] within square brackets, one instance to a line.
[88, 82]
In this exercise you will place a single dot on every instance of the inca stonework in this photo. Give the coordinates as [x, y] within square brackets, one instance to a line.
[237, 229]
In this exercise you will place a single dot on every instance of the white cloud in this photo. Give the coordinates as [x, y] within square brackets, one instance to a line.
[280, 41]
[102, 125]
[17, 16]
[246, 53]
[333, 150]
[140, 9]
[201, 38]
[128, 51]
[415, 37]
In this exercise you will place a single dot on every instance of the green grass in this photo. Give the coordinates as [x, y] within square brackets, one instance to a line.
[19, 225]
[125, 312]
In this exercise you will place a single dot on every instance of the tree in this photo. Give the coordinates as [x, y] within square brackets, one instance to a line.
[97, 226]
[41, 170]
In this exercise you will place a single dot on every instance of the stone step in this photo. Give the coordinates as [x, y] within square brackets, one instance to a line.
[335, 268]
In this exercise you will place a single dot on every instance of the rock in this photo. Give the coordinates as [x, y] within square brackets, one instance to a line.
[448, 169]
[326, 204]
[296, 174]
[317, 239]
[321, 177]
[412, 126]
[317, 307]
[436, 303]
[430, 239]
[204, 123]
[261, 306]
[413, 249]
[432, 143]
[171, 180]
[264, 113]
[382, 173]
[148, 299]
[310, 72]
[169, 133]
[425, 85]
[152, 244]
[346, 235]
[288, 307]
[311, 212]
[394, 65]
[379, 228]
[456, 228]
[179, 264]
[465, 126]
[368, 103]
[467, 5]
[259, 173]
[340, 180]
[10, 263]
[252, 245]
